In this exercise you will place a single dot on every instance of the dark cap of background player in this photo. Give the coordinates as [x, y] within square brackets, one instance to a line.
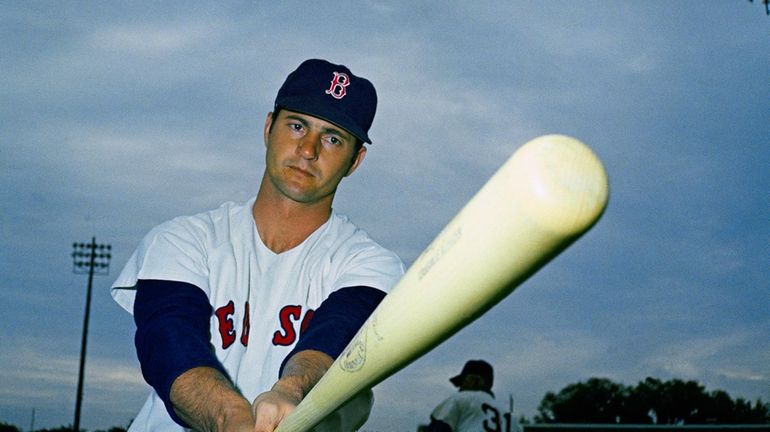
[474, 367]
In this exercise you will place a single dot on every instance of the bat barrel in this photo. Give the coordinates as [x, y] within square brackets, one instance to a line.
[545, 196]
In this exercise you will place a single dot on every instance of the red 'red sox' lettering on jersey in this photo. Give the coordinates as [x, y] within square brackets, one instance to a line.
[286, 335]
[288, 315]
[226, 327]
[246, 326]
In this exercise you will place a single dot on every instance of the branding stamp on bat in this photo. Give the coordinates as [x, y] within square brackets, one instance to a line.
[354, 356]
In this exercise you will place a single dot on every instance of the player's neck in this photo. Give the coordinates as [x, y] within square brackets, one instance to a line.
[283, 224]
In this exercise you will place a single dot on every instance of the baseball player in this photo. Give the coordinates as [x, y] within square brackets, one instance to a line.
[240, 310]
[473, 408]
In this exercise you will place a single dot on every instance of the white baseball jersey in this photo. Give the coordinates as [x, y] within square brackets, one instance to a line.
[260, 298]
[473, 411]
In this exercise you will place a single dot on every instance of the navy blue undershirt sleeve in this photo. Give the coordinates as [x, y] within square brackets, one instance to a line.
[438, 426]
[172, 334]
[337, 320]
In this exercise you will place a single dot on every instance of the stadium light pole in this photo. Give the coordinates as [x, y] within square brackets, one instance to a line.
[93, 259]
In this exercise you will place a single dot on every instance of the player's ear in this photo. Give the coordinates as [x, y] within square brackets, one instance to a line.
[268, 124]
[357, 160]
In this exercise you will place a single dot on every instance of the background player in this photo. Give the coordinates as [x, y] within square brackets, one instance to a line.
[228, 301]
[473, 408]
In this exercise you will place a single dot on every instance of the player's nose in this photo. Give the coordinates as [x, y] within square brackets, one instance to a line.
[308, 146]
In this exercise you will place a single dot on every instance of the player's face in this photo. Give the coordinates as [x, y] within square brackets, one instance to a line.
[307, 157]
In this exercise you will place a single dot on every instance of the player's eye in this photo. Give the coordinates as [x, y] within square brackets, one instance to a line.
[296, 126]
[334, 140]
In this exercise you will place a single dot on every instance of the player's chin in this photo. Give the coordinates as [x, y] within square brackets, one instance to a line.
[304, 195]
[308, 190]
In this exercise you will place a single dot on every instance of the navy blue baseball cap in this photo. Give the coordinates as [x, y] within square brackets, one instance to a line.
[332, 93]
[474, 367]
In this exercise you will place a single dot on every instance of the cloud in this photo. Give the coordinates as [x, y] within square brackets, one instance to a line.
[39, 375]
[155, 39]
[641, 63]
[699, 356]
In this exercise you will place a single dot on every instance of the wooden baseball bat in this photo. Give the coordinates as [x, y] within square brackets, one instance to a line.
[550, 192]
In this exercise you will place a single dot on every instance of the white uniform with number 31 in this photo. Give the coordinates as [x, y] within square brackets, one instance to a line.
[474, 411]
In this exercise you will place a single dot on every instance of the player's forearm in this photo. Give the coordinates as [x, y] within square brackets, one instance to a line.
[301, 372]
[207, 401]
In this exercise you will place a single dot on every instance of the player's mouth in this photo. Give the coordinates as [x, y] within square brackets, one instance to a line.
[300, 171]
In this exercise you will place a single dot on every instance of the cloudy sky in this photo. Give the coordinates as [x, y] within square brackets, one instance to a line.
[118, 116]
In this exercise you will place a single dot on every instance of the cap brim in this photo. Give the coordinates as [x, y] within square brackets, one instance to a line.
[324, 112]
[457, 380]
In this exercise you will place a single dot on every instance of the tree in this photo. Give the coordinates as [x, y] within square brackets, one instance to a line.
[598, 400]
[745, 413]
[687, 402]
[679, 402]
[57, 429]
[651, 401]
[115, 429]
[4, 427]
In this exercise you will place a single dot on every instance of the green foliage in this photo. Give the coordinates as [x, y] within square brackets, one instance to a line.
[5, 427]
[57, 429]
[651, 401]
[596, 401]
[11, 428]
